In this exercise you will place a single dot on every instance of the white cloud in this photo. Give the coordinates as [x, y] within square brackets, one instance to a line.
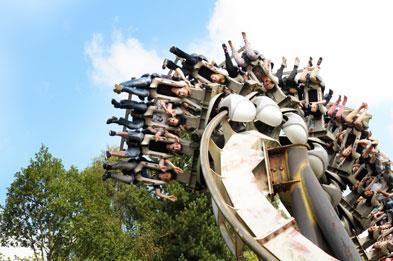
[352, 36]
[122, 59]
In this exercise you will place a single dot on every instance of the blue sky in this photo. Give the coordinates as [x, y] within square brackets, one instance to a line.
[60, 59]
[47, 96]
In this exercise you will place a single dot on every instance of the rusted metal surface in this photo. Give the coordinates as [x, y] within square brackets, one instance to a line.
[319, 204]
[270, 245]
[227, 212]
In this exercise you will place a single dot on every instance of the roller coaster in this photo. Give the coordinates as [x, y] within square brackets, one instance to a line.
[292, 177]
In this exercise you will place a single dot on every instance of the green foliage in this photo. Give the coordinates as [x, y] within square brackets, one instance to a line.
[164, 230]
[250, 256]
[29, 216]
[195, 234]
[96, 227]
[71, 214]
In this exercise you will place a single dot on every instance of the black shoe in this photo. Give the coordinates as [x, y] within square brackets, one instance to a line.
[224, 47]
[108, 154]
[106, 166]
[115, 103]
[164, 64]
[112, 133]
[310, 62]
[106, 175]
[111, 120]
[319, 61]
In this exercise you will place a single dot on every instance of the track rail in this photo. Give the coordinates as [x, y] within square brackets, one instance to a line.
[249, 225]
[234, 231]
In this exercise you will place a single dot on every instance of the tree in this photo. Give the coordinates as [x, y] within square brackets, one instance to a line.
[195, 235]
[68, 214]
[97, 228]
[63, 214]
[164, 230]
[28, 218]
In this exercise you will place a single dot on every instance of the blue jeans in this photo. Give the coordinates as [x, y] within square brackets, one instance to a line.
[139, 87]
[138, 107]
[133, 152]
[124, 165]
[134, 124]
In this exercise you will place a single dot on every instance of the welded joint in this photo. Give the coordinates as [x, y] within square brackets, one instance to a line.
[291, 223]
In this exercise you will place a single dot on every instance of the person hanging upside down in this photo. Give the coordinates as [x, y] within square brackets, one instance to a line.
[128, 177]
[358, 122]
[132, 164]
[248, 55]
[134, 150]
[157, 132]
[233, 71]
[337, 114]
[288, 84]
[141, 87]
